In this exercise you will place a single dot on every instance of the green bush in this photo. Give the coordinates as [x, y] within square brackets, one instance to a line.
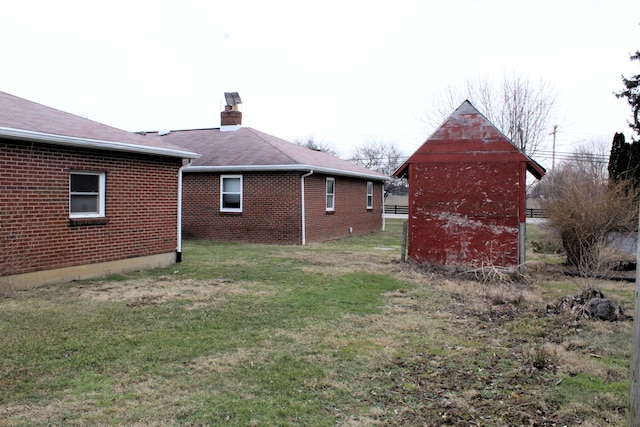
[546, 246]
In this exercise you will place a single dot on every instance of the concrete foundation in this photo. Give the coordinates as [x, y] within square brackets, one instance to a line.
[67, 274]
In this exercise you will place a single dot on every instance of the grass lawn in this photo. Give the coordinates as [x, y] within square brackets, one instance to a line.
[338, 333]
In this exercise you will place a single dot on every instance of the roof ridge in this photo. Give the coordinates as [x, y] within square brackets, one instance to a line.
[262, 135]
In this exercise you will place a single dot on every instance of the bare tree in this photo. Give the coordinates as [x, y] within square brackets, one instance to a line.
[384, 158]
[519, 108]
[379, 156]
[587, 210]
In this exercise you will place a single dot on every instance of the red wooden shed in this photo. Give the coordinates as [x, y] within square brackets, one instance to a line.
[467, 192]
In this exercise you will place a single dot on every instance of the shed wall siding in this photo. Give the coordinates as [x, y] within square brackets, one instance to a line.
[35, 233]
[465, 213]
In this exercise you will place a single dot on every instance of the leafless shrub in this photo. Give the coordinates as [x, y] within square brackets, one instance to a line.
[586, 210]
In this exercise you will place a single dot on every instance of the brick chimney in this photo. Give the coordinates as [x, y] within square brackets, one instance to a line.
[231, 116]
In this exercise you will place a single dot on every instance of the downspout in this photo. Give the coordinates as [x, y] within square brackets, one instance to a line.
[383, 199]
[304, 228]
[179, 246]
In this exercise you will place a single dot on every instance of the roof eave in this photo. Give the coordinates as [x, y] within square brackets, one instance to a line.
[535, 169]
[72, 141]
[287, 167]
[402, 171]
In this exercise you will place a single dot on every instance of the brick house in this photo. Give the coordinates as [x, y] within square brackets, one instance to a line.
[80, 199]
[467, 192]
[253, 187]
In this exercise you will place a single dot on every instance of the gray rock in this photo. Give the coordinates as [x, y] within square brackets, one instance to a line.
[601, 308]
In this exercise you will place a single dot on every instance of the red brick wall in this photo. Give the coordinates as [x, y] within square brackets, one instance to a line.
[350, 208]
[464, 213]
[270, 214]
[35, 232]
[271, 209]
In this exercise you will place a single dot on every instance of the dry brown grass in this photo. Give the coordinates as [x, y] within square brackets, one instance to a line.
[151, 291]
[444, 349]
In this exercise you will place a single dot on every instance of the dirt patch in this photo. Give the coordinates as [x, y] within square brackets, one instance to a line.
[159, 291]
[344, 261]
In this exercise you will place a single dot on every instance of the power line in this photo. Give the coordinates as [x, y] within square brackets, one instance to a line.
[573, 155]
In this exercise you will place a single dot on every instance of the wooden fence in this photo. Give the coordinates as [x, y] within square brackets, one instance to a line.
[536, 213]
[396, 209]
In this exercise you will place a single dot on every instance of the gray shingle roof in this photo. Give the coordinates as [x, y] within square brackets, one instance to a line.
[23, 119]
[250, 149]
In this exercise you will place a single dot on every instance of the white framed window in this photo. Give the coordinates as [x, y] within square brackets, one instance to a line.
[231, 193]
[86, 194]
[369, 195]
[331, 194]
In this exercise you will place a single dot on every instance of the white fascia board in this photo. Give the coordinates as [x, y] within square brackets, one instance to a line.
[72, 141]
[284, 168]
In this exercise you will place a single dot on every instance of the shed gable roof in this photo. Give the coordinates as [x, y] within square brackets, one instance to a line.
[27, 120]
[467, 134]
[248, 149]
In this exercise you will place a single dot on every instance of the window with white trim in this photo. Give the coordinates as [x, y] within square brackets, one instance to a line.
[331, 194]
[86, 194]
[231, 193]
[369, 195]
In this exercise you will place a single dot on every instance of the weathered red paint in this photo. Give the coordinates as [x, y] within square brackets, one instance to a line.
[467, 189]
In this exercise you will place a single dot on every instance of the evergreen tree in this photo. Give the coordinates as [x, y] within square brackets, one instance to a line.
[619, 158]
[624, 161]
[632, 93]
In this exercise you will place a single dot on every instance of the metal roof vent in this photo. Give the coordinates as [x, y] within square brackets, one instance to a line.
[233, 100]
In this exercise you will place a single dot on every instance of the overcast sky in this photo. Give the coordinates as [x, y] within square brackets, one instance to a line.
[341, 72]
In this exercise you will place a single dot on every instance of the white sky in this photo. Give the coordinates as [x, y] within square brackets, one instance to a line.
[342, 72]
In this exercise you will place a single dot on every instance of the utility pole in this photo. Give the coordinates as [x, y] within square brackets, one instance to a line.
[553, 158]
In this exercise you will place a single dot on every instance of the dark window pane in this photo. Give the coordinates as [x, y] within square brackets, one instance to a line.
[330, 187]
[85, 183]
[231, 201]
[84, 204]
